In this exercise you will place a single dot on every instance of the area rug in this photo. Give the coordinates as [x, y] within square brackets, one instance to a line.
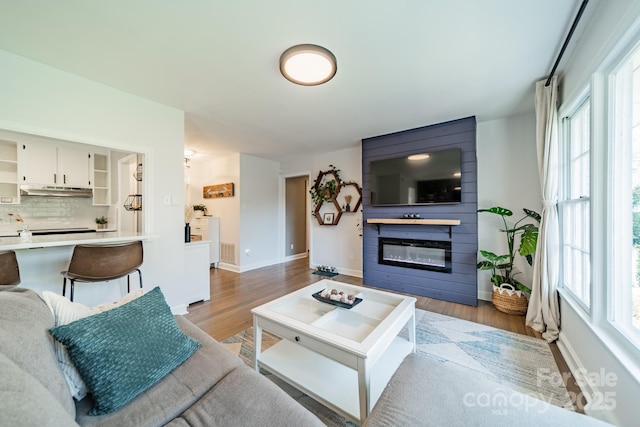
[521, 362]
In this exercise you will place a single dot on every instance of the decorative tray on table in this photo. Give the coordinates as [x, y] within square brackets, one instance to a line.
[346, 305]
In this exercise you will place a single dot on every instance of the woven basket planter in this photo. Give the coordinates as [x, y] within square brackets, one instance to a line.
[508, 300]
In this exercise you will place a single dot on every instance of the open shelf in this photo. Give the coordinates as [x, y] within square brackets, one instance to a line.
[413, 221]
[328, 381]
[9, 191]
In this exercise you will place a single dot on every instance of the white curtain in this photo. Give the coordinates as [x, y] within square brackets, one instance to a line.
[543, 314]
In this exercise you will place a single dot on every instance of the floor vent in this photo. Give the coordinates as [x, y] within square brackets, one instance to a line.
[228, 253]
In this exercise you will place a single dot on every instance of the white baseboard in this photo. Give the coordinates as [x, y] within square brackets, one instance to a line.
[249, 267]
[590, 389]
[485, 295]
[229, 267]
[295, 257]
[345, 271]
[350, 272]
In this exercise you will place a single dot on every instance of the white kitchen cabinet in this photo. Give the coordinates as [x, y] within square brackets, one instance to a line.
[209, 228]
[9, 172]
[53, 164]
[196, 284]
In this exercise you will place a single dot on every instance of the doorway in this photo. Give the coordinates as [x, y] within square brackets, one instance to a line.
[128, 221]
[296, 217]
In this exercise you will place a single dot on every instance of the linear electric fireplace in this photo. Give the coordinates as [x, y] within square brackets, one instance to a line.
[432, 255]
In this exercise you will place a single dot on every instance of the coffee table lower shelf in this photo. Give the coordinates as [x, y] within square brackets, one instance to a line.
[327, 381]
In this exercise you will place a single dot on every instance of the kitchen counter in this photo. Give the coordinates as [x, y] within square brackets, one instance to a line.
[43, 258]
[55, 240]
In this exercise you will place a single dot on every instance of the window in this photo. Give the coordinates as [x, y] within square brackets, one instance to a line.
[625, 195]
[575, 204]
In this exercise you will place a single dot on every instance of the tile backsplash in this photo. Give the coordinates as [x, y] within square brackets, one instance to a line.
[53, 212]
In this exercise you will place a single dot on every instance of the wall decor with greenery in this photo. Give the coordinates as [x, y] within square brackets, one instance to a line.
[326, 189]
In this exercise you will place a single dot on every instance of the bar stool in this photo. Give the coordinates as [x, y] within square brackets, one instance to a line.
[9, 270]
[101, 263]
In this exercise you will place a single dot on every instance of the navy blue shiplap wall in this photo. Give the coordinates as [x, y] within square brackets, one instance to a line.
[461, 285]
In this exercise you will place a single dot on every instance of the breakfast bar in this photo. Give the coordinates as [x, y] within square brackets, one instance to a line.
[42, 258]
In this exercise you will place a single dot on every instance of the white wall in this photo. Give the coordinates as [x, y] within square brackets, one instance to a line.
[588, 345]
[39, 99]
[212, 171]
[249, 219]
[259, 213]
[339, 246]
[507, 177]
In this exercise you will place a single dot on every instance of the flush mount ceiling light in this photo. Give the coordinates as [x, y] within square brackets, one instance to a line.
[418, 156]
[308, 65]
[188, 152]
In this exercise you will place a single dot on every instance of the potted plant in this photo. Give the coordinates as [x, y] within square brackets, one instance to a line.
[102, 222]
[199, 209]
[509, 295]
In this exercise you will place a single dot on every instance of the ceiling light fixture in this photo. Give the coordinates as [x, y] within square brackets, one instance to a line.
[418, 156]
[308, 65]
[188, 152]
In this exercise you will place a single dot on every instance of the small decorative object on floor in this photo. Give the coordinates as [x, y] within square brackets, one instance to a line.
[326, 270]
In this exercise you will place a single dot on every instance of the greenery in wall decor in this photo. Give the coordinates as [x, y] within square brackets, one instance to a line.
[325, 189]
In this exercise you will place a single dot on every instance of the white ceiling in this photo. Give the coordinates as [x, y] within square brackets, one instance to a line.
[401, 64]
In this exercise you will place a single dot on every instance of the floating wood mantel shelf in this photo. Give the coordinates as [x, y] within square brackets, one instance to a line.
[413, 221]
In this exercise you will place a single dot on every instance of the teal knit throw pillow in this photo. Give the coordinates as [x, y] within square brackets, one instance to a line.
[124, 351]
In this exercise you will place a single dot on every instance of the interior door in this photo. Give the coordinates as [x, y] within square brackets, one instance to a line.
[296, 216]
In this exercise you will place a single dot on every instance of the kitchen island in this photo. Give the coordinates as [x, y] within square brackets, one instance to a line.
[42, 258]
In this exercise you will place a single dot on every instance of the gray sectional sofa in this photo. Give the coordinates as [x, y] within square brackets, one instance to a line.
[211, 388]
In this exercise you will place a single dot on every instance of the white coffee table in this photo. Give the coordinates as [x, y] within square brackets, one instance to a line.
[341, 357]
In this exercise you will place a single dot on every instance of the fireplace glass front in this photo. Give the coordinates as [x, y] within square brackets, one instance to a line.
[432, 255]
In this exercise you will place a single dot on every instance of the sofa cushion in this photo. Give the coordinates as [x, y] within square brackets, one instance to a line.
[64, 312]
[122, 352]
[246, 398]
[173, 395]
[24, 339]
[26, 402]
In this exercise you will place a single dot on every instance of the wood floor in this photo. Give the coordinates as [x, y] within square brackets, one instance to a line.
[233, 295]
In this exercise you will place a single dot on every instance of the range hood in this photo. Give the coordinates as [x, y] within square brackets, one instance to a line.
[52, 191]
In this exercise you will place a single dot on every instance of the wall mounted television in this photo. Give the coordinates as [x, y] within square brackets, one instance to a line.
[431, 178]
